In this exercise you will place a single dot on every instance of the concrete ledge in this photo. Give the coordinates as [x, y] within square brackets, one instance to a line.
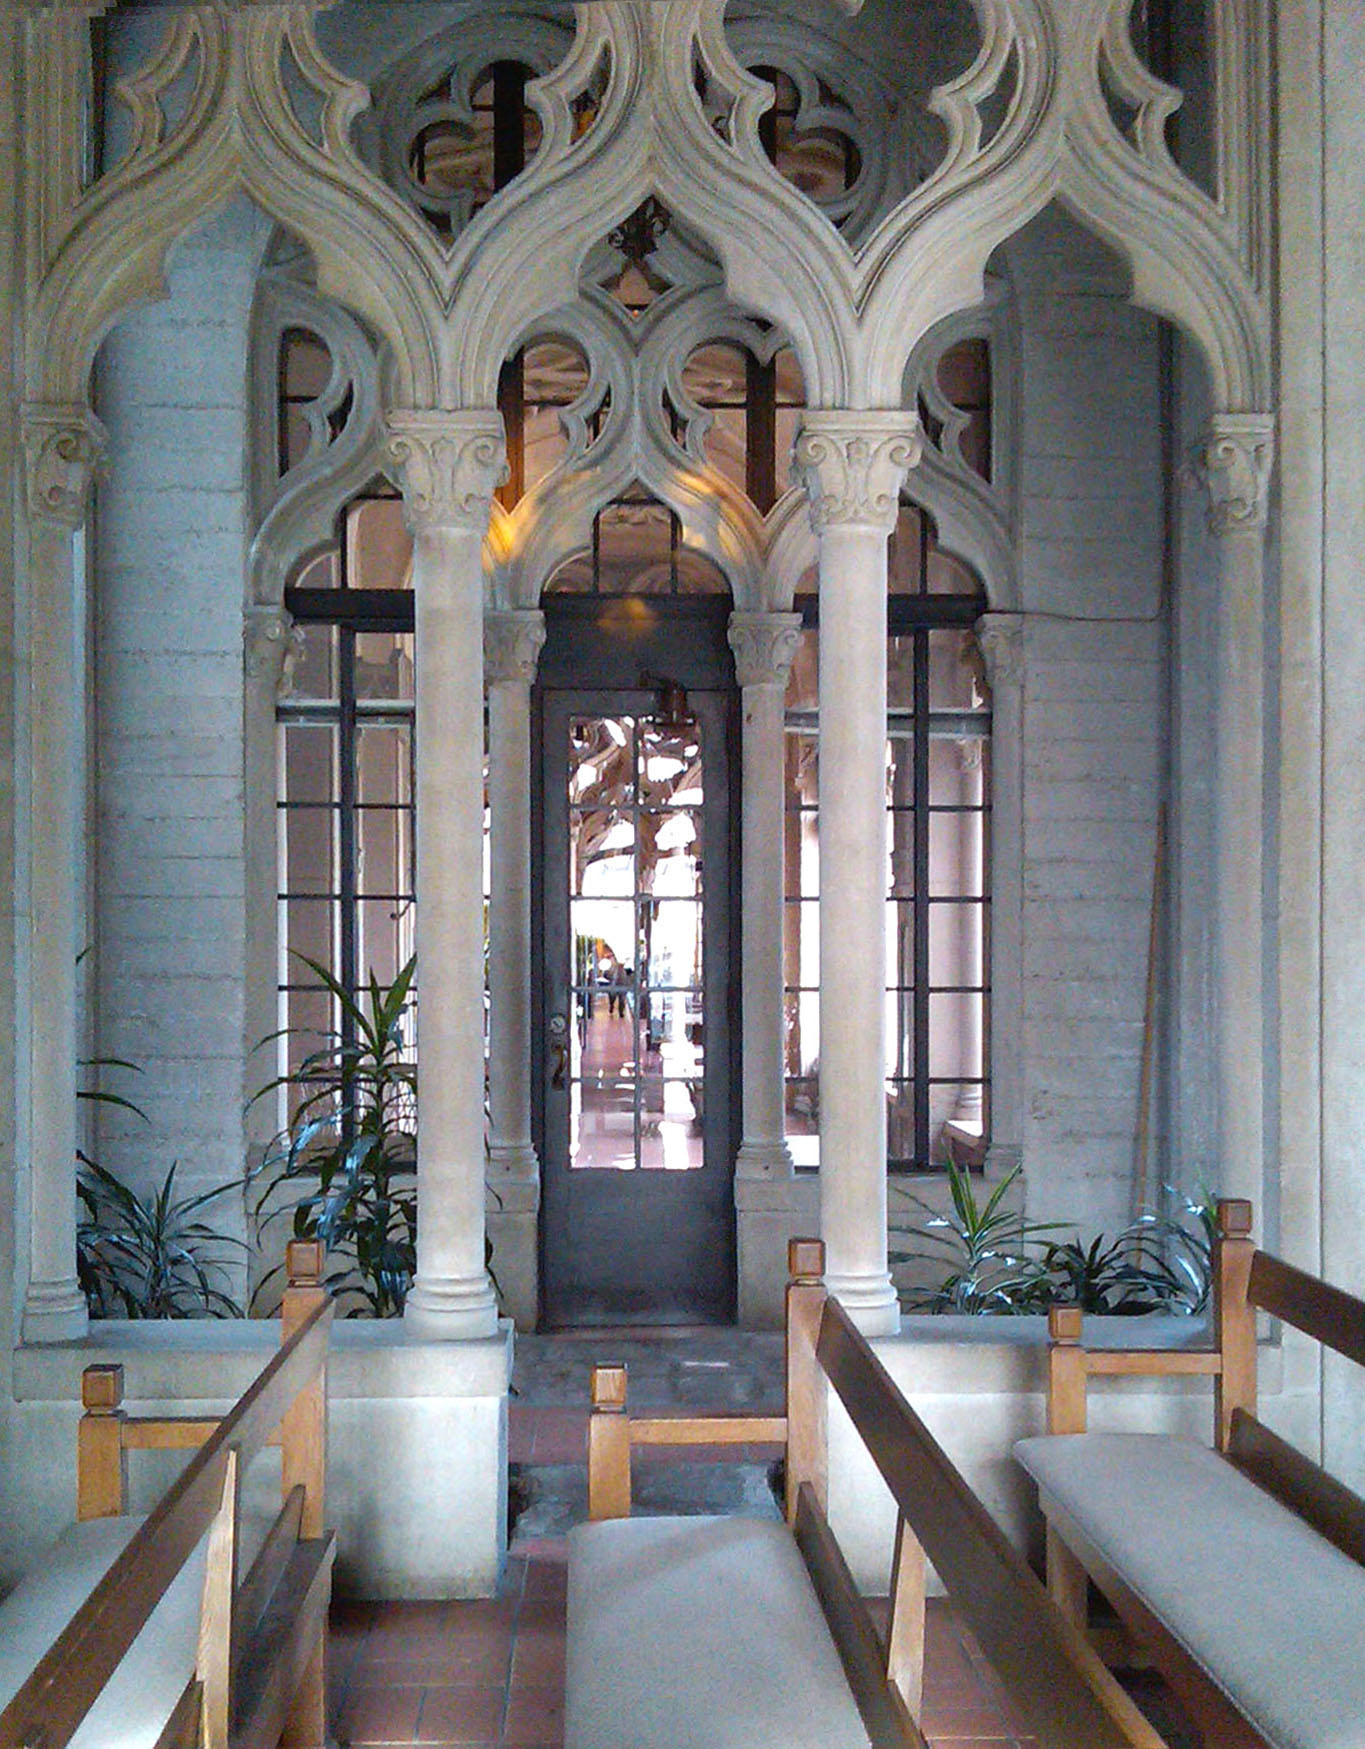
[417, 1482]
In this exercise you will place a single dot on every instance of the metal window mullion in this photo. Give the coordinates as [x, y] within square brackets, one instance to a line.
[920, 805]
[348, 975]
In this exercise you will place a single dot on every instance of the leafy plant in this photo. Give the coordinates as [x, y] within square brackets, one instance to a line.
[987, 1251]
[347, 1161]
[150, 1257]
[1128, 1276]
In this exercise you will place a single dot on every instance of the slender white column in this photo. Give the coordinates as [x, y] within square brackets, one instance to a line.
[853, 465]
[764, 645]
[1001, 638]
[512, 644]
[448, 465]
[62, 447]
[1236, 465]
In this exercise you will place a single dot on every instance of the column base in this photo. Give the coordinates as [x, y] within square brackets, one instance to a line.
[55, 1311]
[513, 1160]
[870, 1300]
[764, 1159]
[449, 1309]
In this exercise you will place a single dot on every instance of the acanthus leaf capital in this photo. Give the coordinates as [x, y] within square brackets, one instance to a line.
[64, 448]
[447, 465]
[853, 465]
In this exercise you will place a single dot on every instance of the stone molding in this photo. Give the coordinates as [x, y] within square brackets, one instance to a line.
[512, 642]
[1001, 639]
[853, 466]
[1234, 465]
[448, 466]
[63, 449]
[273, 644]
[765, 646]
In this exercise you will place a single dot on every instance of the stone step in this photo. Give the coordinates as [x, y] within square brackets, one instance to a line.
[547, 1500]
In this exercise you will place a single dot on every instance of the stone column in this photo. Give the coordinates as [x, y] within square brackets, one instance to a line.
[271, 644]
[447, 465]
[512, 642]
[853, 465]
[1001, 638]
[764, 645]
[1235, 465]
[63, 446]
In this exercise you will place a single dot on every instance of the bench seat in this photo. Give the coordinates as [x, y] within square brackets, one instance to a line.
[1271, 1611]
[699, 1633]
[141, 1695]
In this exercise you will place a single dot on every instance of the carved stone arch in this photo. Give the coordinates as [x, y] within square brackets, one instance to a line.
[1186, 259]
[296, 514]
[239, 133]
[787, 266]
[976, 520]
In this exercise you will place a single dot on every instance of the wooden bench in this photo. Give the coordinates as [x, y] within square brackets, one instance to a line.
[702, 1633]
[183, 1642]
[1240, 1569]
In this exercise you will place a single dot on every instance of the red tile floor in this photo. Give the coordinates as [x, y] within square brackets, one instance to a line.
[490, 1673]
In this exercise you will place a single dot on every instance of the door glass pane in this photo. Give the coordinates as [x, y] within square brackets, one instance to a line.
[635, 873]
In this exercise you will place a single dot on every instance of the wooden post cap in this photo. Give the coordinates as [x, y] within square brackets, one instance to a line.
[304, 1261]
[609, 1389]
[1064, 1323]
[1234, 1217]
[102, 1388]
[806, 1259]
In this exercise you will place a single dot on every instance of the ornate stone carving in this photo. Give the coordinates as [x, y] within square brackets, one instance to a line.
[63, 447]
[512, 643]
[1235, 465]
[854, 464]
[1001, 640]
[765, 646]
[448, 465]
[273, 644]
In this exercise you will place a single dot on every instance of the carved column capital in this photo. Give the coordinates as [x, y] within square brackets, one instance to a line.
[765, 646]
[447, 465]
[63, 450]
[512, 643]
[853, 466]
[272, 645]
[1001, 638]
[1234, 463]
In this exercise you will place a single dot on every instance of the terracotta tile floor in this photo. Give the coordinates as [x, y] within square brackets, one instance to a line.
[491, 1673]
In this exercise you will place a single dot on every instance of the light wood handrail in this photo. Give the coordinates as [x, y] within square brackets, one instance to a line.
[1055, 1679]
[1320, 1310]
[68, 1679]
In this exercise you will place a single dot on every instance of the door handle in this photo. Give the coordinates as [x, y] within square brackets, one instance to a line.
[559, 1052]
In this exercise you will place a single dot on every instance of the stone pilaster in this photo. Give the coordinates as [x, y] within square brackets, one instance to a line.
[512, 643]
[1001, 639]
[447, 466]
[1235, 466]
[63, 446]
[853, 466]
[764, 645]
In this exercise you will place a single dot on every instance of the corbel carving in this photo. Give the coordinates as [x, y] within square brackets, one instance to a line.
[63, 450]
[447, 465]
[273, 644]
[853, 466]
[765, 646]
[512, 643]
[1001, 640]
[1235, 465]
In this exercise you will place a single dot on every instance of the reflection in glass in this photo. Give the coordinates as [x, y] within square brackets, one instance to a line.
[636, 1052]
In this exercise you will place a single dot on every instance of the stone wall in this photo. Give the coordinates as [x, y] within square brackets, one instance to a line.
[167, 658]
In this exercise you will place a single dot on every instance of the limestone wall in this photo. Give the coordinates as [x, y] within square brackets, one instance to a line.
[167, 664]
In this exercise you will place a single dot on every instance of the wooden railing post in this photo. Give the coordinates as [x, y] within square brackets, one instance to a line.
[1067, 1409]
[303, 1431]
[216, 1661]
[101, 1461]
[905, 1632]
[1234, 1317]
[807, 1399]
[608, 1445]
[1066, 1383]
